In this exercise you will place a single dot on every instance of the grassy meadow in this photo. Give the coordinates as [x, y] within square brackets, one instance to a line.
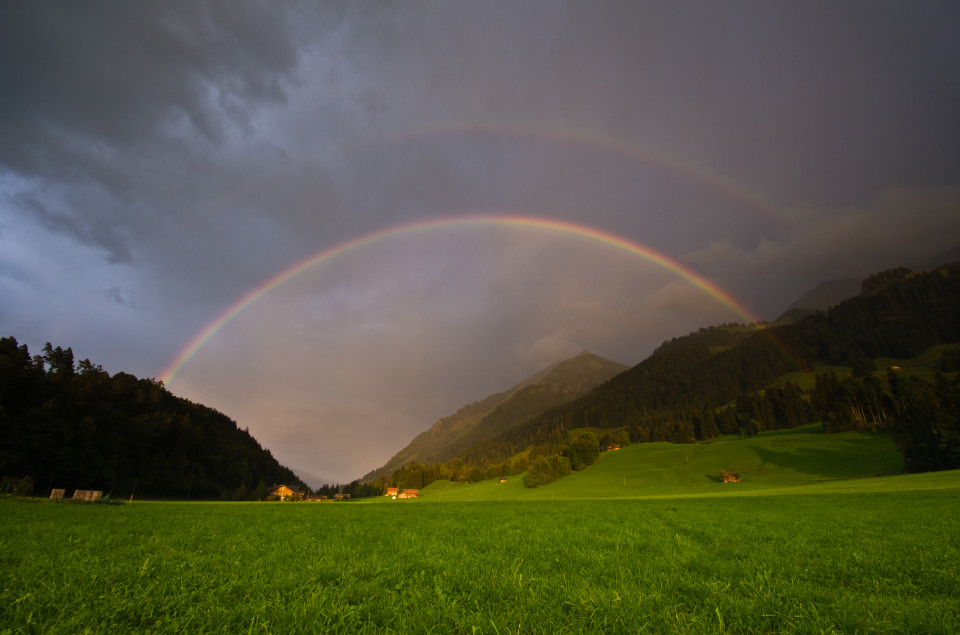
[809, 552]
[769, 461]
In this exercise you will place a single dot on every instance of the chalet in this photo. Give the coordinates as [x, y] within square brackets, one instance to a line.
[503, 479]
[285, 492]
[392, 491]
[729, 477]
[409, 493]
[612, 446]
[340, 497]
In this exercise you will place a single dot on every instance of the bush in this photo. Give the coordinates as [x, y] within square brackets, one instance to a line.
[583, 451]
[547, 469]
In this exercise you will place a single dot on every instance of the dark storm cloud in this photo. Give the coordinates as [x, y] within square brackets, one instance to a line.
[79, 77]
[160, 160]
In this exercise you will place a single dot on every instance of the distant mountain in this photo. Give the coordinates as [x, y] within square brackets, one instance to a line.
[497, 413]
[827, 294]
[833, 292]
[945, 258]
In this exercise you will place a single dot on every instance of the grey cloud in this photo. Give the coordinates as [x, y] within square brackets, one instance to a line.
[121, 74]
[901, 226]
[88, 229]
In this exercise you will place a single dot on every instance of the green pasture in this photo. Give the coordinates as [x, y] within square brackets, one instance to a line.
[813, 540]
[879, 559]
[769, 461]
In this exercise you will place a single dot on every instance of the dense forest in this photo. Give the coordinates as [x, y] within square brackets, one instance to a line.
[718, 381]
[72, 425]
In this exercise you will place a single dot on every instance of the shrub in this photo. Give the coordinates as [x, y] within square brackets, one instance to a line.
[547, 469]
[583, 451]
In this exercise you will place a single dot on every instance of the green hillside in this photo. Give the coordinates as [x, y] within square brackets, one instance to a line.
[776, 459]
[475, 423]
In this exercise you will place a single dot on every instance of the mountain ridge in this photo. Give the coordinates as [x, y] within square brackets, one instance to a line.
[481, 420]
[832, 292]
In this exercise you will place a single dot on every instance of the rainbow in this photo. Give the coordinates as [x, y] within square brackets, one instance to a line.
[722, 183]
[566, 227]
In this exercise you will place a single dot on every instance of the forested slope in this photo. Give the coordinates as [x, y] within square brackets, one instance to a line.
[500, 412]
[722, 380]
[74, 426]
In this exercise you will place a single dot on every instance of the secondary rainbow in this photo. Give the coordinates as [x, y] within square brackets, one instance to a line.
[713, 179]
[592, 233]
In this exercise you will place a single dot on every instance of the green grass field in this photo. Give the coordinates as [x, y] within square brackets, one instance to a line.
[773, 460]
[803, 545]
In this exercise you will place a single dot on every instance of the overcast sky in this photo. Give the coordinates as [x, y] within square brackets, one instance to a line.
[159, 161]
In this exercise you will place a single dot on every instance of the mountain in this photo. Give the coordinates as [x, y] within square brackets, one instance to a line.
[698, 386]
[833, 292]
[825, 296]
[498, 413]
[941, 259]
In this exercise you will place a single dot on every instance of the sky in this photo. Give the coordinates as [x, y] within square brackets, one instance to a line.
[339, 222]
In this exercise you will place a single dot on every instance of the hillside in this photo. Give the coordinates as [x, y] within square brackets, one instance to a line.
[770, 460]
[831, 367]
[74, 426]
[498, 413]
[670, 395]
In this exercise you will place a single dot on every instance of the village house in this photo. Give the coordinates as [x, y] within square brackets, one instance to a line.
[409, 493]
[392, 491]
[285, 492]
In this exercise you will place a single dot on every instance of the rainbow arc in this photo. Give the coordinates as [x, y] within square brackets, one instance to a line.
[504, 220]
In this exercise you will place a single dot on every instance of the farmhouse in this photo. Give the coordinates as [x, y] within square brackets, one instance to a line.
[729, 477]
[409, 493]
[392, 491]
[285, 492]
